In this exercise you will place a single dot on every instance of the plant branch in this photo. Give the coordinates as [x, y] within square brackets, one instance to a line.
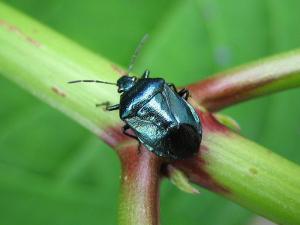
[139, 190]
[42, 61]
[245, 172]
[249, 81]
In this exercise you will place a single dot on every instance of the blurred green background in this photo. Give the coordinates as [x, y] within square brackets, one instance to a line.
[53, 171]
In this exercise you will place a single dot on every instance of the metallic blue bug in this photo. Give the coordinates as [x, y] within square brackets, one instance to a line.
[160, 117]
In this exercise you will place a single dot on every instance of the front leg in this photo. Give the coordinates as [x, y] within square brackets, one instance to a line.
[181, 92]
[109, 108]
[171, 85]
[126, 127]
[184, 91]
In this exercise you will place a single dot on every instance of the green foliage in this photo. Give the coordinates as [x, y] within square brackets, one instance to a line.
[54, 171]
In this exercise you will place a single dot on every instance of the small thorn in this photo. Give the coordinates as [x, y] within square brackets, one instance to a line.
[180, 179]
[227, 121]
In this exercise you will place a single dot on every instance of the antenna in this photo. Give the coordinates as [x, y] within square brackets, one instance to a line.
[96, 81]
[130, 66]
[136, 52]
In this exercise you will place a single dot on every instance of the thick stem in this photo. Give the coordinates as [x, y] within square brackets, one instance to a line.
[250, 81]
[43, 62]
[245, 173]
[139, 190]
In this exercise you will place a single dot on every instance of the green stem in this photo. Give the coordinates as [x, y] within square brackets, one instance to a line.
[43, 61]
[246, 173]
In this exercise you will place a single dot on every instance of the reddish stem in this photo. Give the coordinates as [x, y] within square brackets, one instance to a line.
[248, 82]
[139, 190]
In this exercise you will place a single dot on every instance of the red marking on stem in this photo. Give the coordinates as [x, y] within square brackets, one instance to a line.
[218, 92]
[61, 93]
[118, 69]
[195, 170]
[139, 166]
[113, 135]
[210, 124]
[19, 32]
[33, 41]
[129, 154]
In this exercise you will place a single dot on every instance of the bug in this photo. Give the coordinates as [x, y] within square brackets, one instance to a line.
[159, 115]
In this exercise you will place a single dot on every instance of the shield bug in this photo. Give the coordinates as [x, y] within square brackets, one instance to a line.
[159, 116]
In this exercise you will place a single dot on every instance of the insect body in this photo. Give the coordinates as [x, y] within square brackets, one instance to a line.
[160, 117]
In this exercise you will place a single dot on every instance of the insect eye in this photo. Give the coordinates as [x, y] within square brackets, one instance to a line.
[134, 78]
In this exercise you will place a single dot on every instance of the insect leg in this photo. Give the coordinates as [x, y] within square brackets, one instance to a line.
[181, 92]
[184, 91]
[109, 108]
[171, 85]
[126, 127]
[146, 74]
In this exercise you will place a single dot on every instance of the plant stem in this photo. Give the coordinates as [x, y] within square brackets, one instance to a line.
[246, 173]
[42, 61]
[249, 81]
[139, 190]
